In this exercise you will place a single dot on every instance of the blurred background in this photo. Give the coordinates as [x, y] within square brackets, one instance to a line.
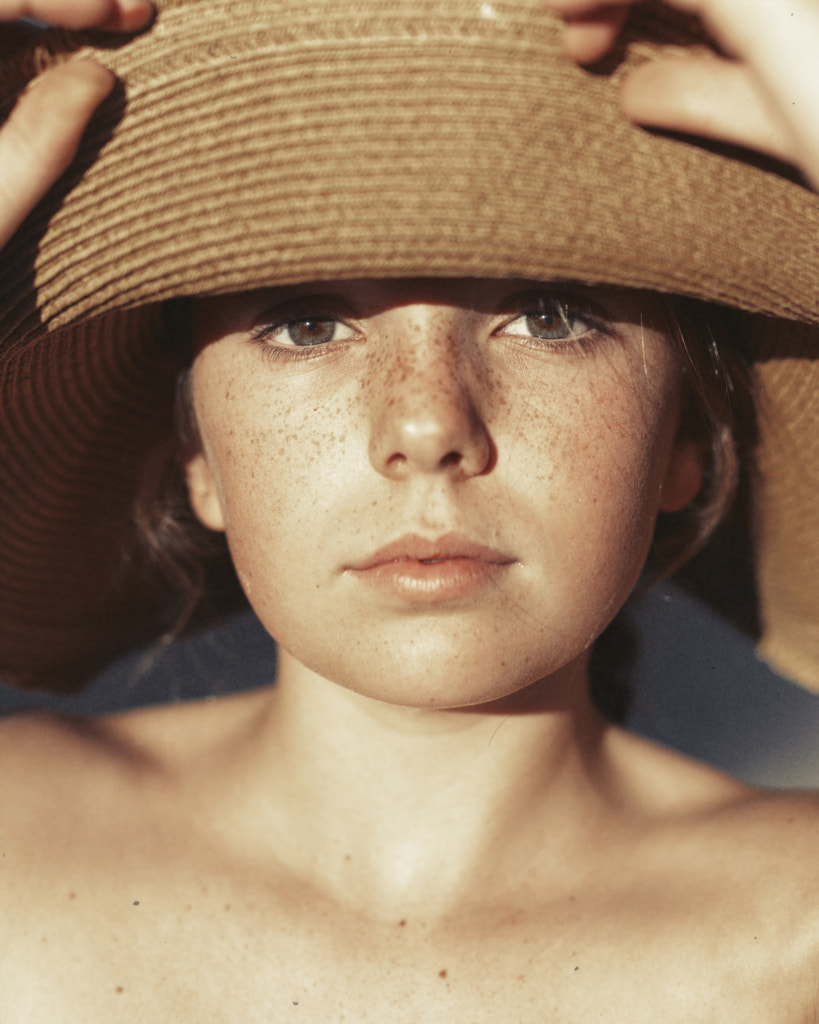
[695, 684]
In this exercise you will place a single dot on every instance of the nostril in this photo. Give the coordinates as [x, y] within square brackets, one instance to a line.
[432, 433]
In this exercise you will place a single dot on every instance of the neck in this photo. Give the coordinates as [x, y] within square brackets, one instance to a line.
[397, 807]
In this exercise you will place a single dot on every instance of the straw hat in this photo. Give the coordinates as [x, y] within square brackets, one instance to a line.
[259, 142]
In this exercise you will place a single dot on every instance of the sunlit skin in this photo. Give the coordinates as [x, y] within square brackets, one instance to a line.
[424, 820]
[434, 411]
[306, 851]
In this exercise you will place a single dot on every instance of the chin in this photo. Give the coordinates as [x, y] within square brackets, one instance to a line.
[464, 679]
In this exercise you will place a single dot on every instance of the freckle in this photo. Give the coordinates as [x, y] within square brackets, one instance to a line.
[347, 857]
[442, 972]
[227, 906]
[72, 895]
[120, 988]
[402, 923]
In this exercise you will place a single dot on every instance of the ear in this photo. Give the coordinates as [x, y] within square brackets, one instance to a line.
[204, 495]
[684, 476]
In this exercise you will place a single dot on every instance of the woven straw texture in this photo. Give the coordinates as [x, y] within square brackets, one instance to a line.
[254, 143]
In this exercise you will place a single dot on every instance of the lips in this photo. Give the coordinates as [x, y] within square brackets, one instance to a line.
[413, 548]
[419, 569]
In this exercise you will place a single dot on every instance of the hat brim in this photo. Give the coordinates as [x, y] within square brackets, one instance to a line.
[247, 150]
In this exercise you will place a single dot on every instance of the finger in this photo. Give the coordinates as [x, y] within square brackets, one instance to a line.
[111, 15]
[590, 37]
[707, 96]
[39, 140]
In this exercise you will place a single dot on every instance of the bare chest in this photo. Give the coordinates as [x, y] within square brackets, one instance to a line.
[211, 949]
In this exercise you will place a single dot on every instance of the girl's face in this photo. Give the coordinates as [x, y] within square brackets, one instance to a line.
[436, 492]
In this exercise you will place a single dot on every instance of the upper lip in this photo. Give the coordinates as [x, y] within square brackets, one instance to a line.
[422, 549]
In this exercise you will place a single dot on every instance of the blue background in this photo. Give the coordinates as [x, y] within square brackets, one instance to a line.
[697, 686]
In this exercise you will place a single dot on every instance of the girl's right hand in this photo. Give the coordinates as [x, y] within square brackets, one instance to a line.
[38, 141]
[763, 94]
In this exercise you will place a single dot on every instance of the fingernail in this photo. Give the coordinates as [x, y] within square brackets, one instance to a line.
[102, 79]
[132, 15]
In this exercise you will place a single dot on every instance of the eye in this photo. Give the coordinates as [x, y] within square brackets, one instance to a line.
[550, 320]
[305, 331]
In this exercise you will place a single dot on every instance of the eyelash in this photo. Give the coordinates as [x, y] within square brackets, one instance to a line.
[264, 337]
[568, 310]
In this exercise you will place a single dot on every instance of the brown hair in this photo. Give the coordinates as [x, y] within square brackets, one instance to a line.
[718, 414]
[189, 566]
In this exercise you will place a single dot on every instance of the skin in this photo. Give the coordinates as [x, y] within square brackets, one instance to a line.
[435, 837]
[500, 854]
[435, 414]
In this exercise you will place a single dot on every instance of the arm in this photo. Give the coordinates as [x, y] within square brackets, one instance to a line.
[764, 94]
[40, 138]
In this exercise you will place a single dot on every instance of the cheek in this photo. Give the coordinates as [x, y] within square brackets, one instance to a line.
[280, 462]
[596, 473]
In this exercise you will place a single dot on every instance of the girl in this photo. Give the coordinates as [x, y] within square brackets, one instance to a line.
[430, 392]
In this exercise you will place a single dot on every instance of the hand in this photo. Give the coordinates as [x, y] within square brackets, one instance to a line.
[39, 140]
[764, 94]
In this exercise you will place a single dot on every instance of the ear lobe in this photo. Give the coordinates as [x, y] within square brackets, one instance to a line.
[683, 478]
[203, 493]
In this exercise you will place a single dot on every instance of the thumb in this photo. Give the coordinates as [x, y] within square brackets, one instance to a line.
[39, 140]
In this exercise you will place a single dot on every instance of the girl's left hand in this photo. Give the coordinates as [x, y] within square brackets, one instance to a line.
[764, 94]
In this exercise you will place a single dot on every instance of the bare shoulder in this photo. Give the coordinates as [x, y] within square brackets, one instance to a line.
[674, 789]
[39, 742]
[51, 762]
[760, 845]
[733, 865]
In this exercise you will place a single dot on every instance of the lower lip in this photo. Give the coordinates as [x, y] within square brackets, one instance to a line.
[431, 582]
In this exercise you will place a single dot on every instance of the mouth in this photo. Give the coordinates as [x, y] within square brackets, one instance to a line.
[450, 547]
[418, 569]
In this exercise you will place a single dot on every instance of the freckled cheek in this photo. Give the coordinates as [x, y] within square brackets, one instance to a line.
[279, 470]
[592, 459]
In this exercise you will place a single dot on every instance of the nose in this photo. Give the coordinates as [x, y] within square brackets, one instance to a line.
[424, 415]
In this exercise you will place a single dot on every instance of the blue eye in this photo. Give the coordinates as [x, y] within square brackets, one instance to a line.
[305, 332]
[318, 330]
[551, 321]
